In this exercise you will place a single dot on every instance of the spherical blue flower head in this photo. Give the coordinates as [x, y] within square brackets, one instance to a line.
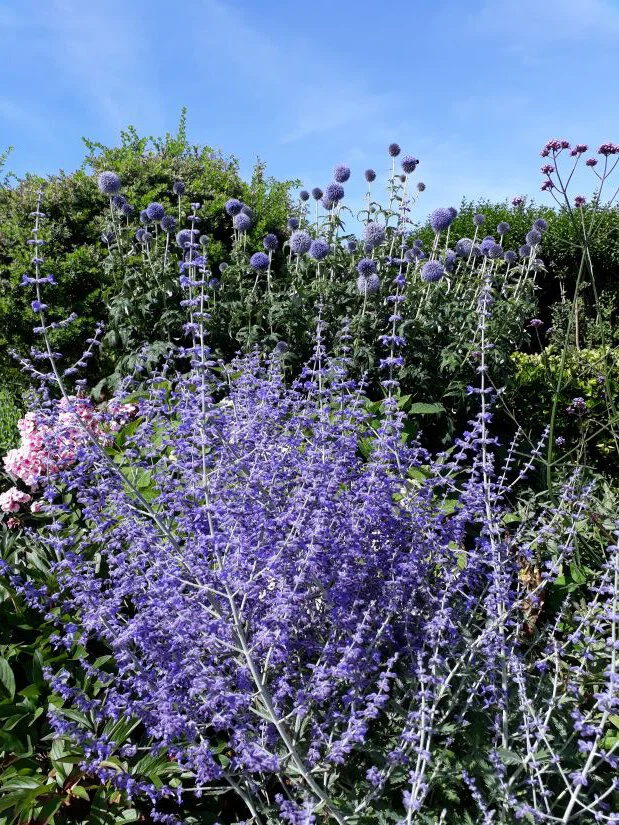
[247, 210]
[368, 285]
[351, 246]
[421, 187]
[155, 211]
[367, 248]
[203, 240]
[144, 216]
[502, 228]
[334, 192]
[300, 242]
[341, 173]
[304, 195]
[118, 201]
[463, 247]
[178, 187]
[270, 242]
[410, 255]
[418, 243]
[241, 222]
[259, 261]
[214, 283]
[393, 149]
[533, 237]
[317, 193]
[540, 224]
[185, 237]
[168, 224]
[450, 260]
[479, 219]
[440, 219]
[374, 233]
[222, 267]
[409, 164]
[495, 250]
[233, 207]
[293, 223]
[432, 271]
[510, 256]
[108, 183]
[139, 235]
[280, 348]
[366, 267]
[485, 245]
[127, 210]
[476, 251]
[525, 250]
[370, 175]
[452, 211]
[319, 249]
[147, 236]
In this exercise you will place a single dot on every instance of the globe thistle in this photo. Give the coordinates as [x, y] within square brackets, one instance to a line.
[368, 248]
[510, 256]
[452, 211]
[502, 228]
[233, 207]
[280, 348]
[450, 260]
[293, 223]
[487, 242]
[479, 219]
[421, 187]
[108, 183]
[374, 233]
[270, 242]
[222, 267]
[409, 164]
[341, 174]
[144, 216]
[495, 250]
[241, 222]
[247, 210]
[440, 219]
[259, 261]
[127, 210]
[319, 249]
[366, 267]
[155, 211]
[168, 224]
[464, 247]
[370, 175]
[525, 250]
[402, 178]
[109, 237]
[393, 149]
[147, 236]
[418, 243]
[203, 240]
[317, 193]
[432, 271]
[118, 201]
[300, 242]
[326, 203]
[533, 237]
[178, 187]
[185, 237]
[334, 192]
[540, 224]
[304, 195]
[351, 246]
[369, 285]
[139, 235]
[214, 283]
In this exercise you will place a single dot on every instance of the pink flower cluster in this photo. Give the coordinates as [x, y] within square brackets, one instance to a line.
[12, 499]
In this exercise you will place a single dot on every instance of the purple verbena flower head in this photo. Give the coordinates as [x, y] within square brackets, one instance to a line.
[393, 149]
[334, 192]
[233, 206]
[409, 164]
[270, 242]
[441, 219]
[259, 261]
[293, 223]
[317, 193]
[178, 187]
[533, 237]
[517, 201]
[304, 195]
[479, 219]
[319, 249]
[341, 174]
[370, 175]
[108, 183]
[608, 149]
[155, 211]
[241, 222]
[502, 228]
[591, 162]
[374, 233]
[366, 267]
[536, 323]
[168, 224]
[300, 242]
[432, 272]
[580, 200]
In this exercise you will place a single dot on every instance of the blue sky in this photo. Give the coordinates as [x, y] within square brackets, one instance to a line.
[472, 89]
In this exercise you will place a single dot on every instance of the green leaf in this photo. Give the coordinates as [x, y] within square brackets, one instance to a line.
[7, 679]
[420, 408]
